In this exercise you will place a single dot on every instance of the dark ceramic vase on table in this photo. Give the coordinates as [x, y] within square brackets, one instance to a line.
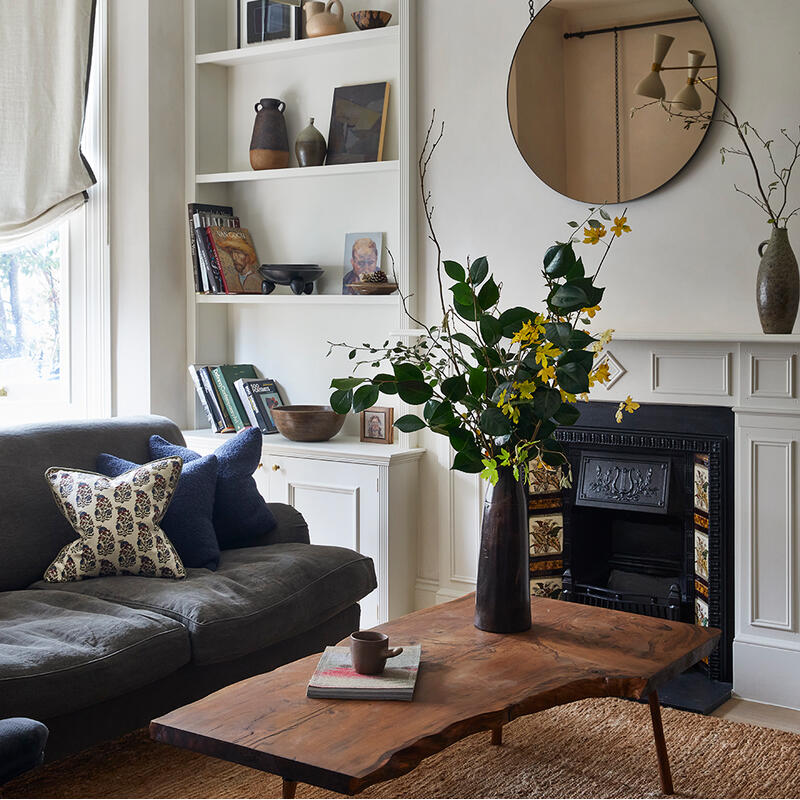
[503, 595]
[778, 285]
[269, 147]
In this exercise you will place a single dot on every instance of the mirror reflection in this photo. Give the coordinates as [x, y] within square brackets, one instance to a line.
[581, 69]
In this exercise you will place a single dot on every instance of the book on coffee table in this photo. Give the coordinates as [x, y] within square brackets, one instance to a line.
[335, 678]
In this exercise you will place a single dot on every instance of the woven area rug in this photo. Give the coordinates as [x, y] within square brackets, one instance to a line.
[593, 748]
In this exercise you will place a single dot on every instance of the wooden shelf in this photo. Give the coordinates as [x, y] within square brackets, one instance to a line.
[302, 47]
[299, 300]
[330, 171]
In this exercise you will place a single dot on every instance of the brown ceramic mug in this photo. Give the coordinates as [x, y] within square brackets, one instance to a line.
[369, 650]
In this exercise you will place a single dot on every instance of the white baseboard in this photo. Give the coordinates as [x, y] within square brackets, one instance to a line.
[425, 593]
[766, 673]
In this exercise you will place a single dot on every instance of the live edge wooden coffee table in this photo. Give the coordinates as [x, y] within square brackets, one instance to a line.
[469, 681]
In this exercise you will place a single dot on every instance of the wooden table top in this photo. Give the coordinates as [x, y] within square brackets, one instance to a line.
[469, 681]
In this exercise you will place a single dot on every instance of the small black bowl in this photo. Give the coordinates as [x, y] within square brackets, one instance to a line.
[300, 277]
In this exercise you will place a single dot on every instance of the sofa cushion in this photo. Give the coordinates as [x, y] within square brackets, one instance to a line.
[258, 596]
[188, 522]
[117, 522]
[32, 530]
[62, 651]
[240, 512]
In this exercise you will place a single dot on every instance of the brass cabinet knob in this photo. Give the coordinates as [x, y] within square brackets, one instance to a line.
[275, 467]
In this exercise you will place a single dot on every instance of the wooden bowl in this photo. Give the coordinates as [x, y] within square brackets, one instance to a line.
[373, 288]
[308, 423]
[369, 20]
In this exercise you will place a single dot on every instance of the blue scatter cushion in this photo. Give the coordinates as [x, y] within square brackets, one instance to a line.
[240, 512]
[188, 522]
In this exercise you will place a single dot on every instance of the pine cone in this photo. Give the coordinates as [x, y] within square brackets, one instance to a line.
[374, 277]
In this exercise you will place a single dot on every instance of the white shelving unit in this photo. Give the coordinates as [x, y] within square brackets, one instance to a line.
[297, 215]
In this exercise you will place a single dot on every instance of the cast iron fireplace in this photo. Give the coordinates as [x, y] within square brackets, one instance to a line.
[647, 526]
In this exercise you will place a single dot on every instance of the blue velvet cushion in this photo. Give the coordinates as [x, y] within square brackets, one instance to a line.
[189, 519]
[22, 743]
[240, 512]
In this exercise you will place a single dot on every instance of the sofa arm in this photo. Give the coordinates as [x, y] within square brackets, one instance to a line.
[291, 527]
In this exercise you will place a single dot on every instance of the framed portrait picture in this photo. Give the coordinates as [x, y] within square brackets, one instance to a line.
[262, 21]
[363, 253]
[376, 425]
[358, 123]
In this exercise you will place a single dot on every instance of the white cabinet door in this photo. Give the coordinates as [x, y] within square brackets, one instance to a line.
[340, 504]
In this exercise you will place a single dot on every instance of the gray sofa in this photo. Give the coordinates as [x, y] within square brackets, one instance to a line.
[99, 657]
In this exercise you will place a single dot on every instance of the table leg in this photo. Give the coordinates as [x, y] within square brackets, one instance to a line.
[661, 746]
[497, 736]
[289, 788]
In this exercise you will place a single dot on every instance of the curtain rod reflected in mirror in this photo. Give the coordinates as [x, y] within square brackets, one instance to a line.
[571, 91]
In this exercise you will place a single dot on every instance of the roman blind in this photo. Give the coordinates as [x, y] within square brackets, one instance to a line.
[45, 56]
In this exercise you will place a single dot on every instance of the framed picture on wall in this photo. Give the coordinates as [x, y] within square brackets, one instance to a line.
[358, 123]
[262, 21]
[376, 425]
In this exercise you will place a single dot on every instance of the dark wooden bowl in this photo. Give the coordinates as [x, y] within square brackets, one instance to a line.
[369, 20]
[308, 423]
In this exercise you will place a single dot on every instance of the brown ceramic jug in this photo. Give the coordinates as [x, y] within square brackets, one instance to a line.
[325, 23]
[269, 147]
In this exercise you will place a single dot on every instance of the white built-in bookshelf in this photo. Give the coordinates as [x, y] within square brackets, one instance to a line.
[297, 215]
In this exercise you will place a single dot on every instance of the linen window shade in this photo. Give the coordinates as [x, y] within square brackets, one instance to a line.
[45, 56]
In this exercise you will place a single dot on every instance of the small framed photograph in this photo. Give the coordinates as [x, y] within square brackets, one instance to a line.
[262, 21]
[363, 253]
[358, 123]
[377, 425]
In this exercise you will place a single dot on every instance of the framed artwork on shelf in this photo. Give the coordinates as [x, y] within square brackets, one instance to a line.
[362, 256]
[358, 123]
[262, 21]
[377, 425]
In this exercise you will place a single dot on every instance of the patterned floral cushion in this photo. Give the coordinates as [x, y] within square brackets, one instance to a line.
[116, 520]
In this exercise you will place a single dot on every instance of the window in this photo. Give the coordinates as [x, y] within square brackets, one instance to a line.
[54, 330]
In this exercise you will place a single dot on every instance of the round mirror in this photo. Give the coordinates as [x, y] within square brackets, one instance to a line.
[589, 90]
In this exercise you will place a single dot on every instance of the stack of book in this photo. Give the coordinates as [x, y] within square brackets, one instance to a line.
[224, 257]
[234, 397]
[335, 677]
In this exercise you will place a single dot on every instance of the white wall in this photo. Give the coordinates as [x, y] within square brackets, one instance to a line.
[690, 263]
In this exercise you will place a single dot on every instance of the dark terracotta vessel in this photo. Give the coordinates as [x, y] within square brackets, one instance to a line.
[269, 147]
[503, 596]
[778, 285]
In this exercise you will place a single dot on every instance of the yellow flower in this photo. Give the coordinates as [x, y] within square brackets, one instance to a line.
[619, 227]
[545, 352]
[594, 235]
[566, 397]
[603, 340]
[529, 332]
[525, 389]
[626, 405]
[511, 411]
[590, 312]
[547, 374]
[600, 375]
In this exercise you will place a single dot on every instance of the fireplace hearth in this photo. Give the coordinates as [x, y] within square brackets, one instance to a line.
[647, 526]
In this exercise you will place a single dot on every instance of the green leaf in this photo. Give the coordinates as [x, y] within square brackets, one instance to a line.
[490, 329]
[561, 262]
[462, 293]
[467, 312]
[583, 357]
[477, 381]
[546, 402]
[479, 270]
[455, 271]
[569, 297]
[567, 415]
[468, 461]
[558, 333]
[342, 401]
[552, 252]
[347, 383]
[488, 295]
[494, 423]
[604, 214]
[572, 378]
[442, 416]
[573, 224]
[365, 398]
[594, 223]
[386, 383]
[576, 271]
[512, 319]
[579, 340]
[353, 354]
[407, 372]
[454, 388]
[409, 423]
[461, 439]
[414, 393]
[462, 338]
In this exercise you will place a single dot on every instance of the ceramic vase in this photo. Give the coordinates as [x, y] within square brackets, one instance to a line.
[309, 147]
[778, 284]
[269, 146]
[324, 23]
[503, 595]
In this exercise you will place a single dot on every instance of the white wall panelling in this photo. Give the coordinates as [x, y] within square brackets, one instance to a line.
[690, 373]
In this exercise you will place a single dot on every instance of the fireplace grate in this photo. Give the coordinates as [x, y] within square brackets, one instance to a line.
[648, 605]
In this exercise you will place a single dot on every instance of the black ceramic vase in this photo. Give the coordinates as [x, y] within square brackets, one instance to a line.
[503, 596]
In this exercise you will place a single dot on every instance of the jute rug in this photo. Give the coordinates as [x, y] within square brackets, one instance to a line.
[594, 748]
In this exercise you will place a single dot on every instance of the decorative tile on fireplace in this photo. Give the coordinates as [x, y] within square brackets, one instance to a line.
[546, 524]
[547, 535]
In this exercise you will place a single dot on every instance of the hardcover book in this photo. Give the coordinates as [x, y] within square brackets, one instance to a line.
[201, 215]
[263, 395]
[225, 378]
[235, 253]
[221, 417]
[335, 677]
